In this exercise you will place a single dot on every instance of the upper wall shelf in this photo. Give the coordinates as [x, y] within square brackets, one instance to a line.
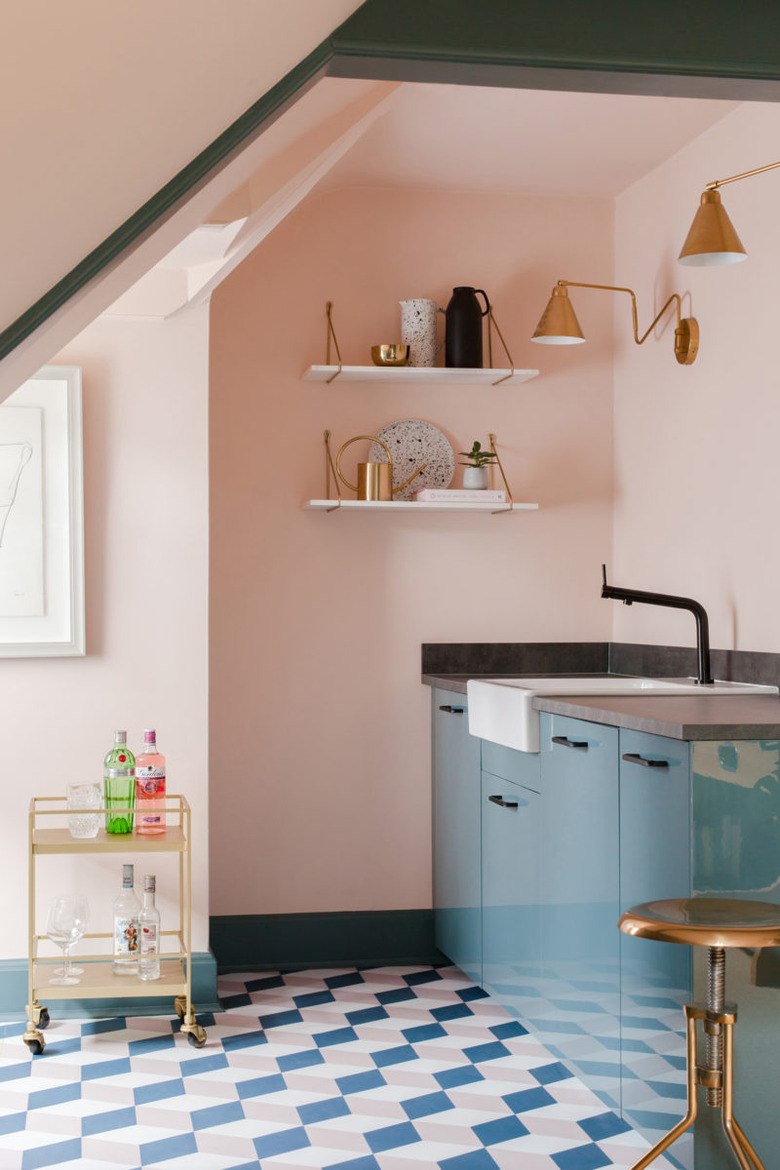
[421, 375]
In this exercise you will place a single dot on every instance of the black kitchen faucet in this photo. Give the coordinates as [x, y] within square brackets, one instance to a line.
[628, 596]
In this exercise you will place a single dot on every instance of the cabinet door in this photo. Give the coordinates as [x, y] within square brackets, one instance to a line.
[456, 835]
[655, 863]
[510, 891]
[579, 895]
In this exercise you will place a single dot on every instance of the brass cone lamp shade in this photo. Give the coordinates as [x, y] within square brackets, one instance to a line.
[712, 239]
[558, 324]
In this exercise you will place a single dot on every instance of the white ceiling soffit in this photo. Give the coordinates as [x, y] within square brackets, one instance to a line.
[300, 149]
[534, 142]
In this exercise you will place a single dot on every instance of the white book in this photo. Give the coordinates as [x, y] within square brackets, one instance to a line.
[460, 496]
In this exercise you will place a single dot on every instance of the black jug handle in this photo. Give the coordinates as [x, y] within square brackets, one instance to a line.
[487, 302]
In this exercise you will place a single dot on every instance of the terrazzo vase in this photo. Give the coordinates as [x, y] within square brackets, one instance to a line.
[418, 330]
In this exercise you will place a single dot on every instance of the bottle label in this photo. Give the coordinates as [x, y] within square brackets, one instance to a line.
[125, 936]
[149, 938]
[148, 787]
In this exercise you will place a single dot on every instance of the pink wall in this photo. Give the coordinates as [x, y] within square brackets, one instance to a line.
[320, 756]
[145, 398]
[696, 448]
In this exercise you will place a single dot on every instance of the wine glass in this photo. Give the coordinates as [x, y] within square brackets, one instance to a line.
[66, 924]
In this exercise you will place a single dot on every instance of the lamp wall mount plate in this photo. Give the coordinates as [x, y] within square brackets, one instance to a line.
[558, 324]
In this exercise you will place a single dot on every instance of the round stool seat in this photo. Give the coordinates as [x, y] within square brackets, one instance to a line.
[707, 922]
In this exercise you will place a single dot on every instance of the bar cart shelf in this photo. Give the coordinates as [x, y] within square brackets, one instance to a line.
[98, 980]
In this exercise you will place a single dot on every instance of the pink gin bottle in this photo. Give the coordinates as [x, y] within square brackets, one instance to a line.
[150, 787]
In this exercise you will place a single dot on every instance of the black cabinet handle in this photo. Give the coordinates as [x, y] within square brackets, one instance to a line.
[634, 758]
[564, 741]
[453, 710]
[499, 800]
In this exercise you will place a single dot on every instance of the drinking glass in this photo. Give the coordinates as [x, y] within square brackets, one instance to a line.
[66, 924]
[83, 796]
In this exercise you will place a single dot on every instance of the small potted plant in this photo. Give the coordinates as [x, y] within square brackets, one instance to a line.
[476, 473]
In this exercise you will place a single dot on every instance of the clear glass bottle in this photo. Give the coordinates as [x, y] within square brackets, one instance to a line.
[119, 785]
[149, 923]
[127, 909]
[150, 787]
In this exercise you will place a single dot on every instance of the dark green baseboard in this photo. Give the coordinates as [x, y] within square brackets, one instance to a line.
[293, 942]
[13, 995]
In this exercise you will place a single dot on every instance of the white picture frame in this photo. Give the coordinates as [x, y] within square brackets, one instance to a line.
[42, 612]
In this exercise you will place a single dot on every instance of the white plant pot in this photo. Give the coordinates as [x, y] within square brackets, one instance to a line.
[476, 478]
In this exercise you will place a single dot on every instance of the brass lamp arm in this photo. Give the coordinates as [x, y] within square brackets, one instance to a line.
[617, 288]
[745, 175]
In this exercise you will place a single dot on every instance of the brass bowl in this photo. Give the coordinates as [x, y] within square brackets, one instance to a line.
[390, 355]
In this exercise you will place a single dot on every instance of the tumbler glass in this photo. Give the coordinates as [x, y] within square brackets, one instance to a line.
[84, 796]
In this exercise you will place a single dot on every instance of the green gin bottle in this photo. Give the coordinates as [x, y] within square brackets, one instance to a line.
[119, 785]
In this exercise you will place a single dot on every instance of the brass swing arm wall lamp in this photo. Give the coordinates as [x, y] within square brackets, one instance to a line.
[559, 325]
[712, 239]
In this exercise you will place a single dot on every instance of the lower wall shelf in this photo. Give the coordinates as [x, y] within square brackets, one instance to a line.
[413, 506]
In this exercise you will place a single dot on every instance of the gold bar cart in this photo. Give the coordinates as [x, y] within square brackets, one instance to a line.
[98, 980]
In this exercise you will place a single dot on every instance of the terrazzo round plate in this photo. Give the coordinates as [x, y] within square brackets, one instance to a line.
[412, 442]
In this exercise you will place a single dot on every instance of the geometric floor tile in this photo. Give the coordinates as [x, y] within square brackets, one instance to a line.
[390, 1068]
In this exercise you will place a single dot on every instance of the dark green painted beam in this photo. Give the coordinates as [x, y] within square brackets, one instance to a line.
[704, 48]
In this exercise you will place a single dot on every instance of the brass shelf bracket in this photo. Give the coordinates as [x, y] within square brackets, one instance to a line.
[499, 511]
[330, 470]
[332, 334]
[493, 324]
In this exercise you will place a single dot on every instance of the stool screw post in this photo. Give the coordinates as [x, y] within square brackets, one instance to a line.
[716, 998]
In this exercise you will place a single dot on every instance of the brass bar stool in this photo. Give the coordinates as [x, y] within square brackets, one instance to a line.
[715, 923]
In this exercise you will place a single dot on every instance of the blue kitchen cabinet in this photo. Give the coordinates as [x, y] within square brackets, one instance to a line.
[457, 894]
[655, 977]
[579, 880]
[511, 949]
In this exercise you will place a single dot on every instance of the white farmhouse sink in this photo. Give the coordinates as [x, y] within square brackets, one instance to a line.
[501, 709]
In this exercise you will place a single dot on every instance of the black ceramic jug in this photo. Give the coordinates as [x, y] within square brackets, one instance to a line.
[463, 330]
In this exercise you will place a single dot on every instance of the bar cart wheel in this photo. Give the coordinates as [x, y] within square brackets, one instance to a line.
[45, 1019]
[35, 1042]
[196, 1035]
[180, 1004]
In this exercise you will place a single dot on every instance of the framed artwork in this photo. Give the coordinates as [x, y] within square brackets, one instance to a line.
[42, 517]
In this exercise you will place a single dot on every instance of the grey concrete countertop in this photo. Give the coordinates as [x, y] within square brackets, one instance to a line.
[676, 716]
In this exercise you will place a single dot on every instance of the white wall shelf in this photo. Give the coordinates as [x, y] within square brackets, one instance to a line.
[419, 375]
[413, 506]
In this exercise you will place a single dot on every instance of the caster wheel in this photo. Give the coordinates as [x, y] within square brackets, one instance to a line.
[35, 1043]
[180, 1005]
[45, 1019]
[197, 1038]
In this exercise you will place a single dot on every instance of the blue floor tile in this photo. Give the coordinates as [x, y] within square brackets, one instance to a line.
[104, 1068]
[367, 1015]
[548, 1074]
[473, 1160]
[244, 1040]
[604, 1125]
[671, 1090]
[346, 980]
[501, 1129]
[97, 1027]
[150, 1044]
[323, 1110]
[525, 1099]
[217, 1115]
[455, 1011]
[313, 999]
[281, 1019]
[426, 1104]
[267, 983]
[397, 1055]
[581, 1158]
[423, 1032]
[13, 1122]
[418, 977]
[507, 1031]
[53, 1155]
[143, 1094]
[390, 1137]
[363, 1162]
[282, 1142]
[400, 995]
[12, 1072]
[467, 994]
[450, 1078]
[203, 1064]
[261, 1086]
[334, 1036]
[360, 1082]
[166, 1148]
[482, 1052]
[67, 1091]
[103, 1122]
[306, 1058]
